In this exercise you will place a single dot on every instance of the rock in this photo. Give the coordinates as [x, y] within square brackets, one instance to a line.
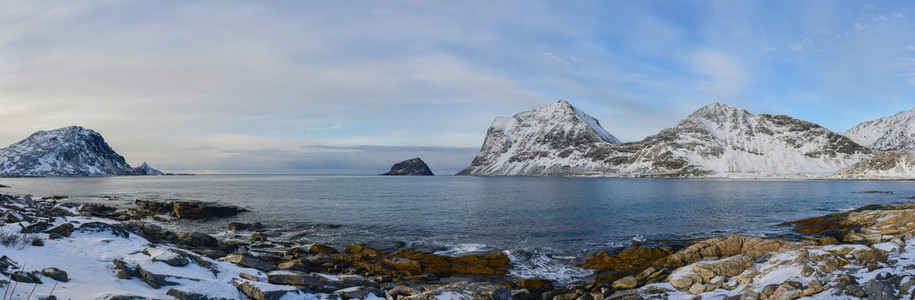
[181, 294]
[296, 278]
[878, 290]
[629, 260]
[151, 230]
[645, 274]
[359, 292]
[400, 291]
[35, 227]
[11, 217]
[64, 229]
[726, 246]
[322, 249]
[123, 270]
[522, 294]
[238, 226]
[703, 272]
[750, 295]
[115, 229]
[696, 288]
[466, 290]
[168, 257]
[214, 254]
[356, 280]
[188, 209]
[854, 290]
[413, 166]
[198, 239]
[259, 291]
[56, 274]
[785, 292]
[37, 242]
[535, 285]
[248, 261]
[25, 277]
[292, 265]
[625, 283]
[152, 279]
[385, 246]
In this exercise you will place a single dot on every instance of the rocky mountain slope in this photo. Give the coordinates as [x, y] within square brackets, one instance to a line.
[68, 151]
[896, 132]
[898, 164]
[149, 170]
[715, 141]
[548, 141]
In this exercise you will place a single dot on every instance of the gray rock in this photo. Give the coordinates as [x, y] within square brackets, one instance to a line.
[296, 278]
[248, 261]
[115, 229]
[474, 290]
[522, 294]
[359, 292]
[56, 274]
[171, 258]
[153, 280]
[64, 229]
[187, 295]
[254, 291]
[413, 166]
[878, 290]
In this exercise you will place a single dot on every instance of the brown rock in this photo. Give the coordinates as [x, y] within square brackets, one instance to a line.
[322, 249]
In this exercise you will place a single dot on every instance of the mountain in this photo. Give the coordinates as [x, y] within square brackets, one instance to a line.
[413, 166]
[149, 170]
[68, 151]
[723, 141]
[896, 164]
[547, 141]
[896, 132]
[715, 141]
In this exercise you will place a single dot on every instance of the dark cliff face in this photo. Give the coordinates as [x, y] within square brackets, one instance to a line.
[68, 151]
[414, 166]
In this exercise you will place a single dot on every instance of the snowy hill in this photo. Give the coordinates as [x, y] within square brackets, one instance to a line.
[547, 141]
[68, 151]
[715, 141]
[898, 164]
[723, 141]
[896, 132]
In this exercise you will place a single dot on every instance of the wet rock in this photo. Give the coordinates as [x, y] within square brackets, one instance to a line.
[535, 285]
[64, 229]
[258, 291]
[238, 226]
[629, 260]
[322, 249]
[522, 294]
[385, 246]
[188, 209]
[248, 261]
[56, 274]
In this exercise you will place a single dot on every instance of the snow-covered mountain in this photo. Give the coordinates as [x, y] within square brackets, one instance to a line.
[68, 151]
[897, 164]
[147, 170]
[723, 141]
[548, 141]
[896, 132]
[716, 141]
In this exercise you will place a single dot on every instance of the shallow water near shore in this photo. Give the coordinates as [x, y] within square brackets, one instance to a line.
[542, 222]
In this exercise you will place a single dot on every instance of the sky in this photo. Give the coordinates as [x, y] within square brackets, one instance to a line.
[351, 87]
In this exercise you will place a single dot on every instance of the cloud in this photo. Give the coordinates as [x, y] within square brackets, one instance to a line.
[721, 75]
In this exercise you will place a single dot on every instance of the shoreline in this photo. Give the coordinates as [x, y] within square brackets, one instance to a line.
[155, 263]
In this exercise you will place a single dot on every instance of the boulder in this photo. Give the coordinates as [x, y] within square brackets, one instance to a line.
[64, 229]
[629, 260]
[198, 239]
[56, 274]
[260, 291]
[188, 209]
[465, 290]
[296, 278]
[248, 261]
[359, 292]
[115, 229]
[152, 279]
[625, 283]
[322, 249]
[702, 273]
[168, 257]
[182, 294]
[238, 226]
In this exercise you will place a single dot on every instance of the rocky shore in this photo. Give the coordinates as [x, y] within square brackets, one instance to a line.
[59, 250]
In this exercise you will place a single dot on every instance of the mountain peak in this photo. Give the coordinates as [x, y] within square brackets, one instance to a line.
[66, 151]
[896, 132]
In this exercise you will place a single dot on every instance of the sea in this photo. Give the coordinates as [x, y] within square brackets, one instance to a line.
[544, 224]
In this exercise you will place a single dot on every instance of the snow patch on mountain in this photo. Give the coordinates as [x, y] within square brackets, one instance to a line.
[68, 151]
[896, 132]
[897, 164]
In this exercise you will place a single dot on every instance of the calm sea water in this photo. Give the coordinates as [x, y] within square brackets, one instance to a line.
[550, 216]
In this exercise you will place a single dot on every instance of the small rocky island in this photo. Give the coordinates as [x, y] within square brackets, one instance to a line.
[413, 167]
